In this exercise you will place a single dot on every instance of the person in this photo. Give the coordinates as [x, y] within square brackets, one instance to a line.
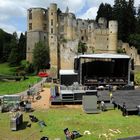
[102, 105]
[113, 102]
[110, 88]
[124, 109]
[138, 109]
[69, 135]
[110, 95]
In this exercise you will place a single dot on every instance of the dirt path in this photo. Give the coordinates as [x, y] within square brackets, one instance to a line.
[44, 102]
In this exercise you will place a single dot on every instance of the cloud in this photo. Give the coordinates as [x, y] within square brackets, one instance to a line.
[137, 3]
[90, 13]
[74, 6]
[8, 28]
[11, 9]
[96, 3]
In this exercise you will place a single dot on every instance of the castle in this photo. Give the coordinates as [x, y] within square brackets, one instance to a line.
[63, 31]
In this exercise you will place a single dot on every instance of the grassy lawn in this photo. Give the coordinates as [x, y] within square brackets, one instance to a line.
[74, 119]
[11, 87]
[137, 78]
[17, 86]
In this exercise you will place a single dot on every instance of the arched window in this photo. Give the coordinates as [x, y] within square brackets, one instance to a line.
[82, 38]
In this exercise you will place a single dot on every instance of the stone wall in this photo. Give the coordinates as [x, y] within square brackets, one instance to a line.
[67, 53]
[32, 38]
[132, 52]
[65, 31]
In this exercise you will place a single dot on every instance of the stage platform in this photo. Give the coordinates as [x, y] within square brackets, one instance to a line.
[71, 96]
[58, 101]
[130, 97]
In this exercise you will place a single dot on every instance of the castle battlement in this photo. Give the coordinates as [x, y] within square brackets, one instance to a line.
[58, 28]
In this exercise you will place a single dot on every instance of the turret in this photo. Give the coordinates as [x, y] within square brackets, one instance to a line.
[53, 19]
[113, 38]
[37, 19]
[53, 35]
[36, 29]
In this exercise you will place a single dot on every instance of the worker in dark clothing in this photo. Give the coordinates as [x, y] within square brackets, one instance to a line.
[124, 109]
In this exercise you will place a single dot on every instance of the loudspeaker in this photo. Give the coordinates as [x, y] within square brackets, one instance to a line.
[132, 64]
[76, 63]
[131, 76]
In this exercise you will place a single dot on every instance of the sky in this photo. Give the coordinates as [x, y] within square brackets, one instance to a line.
[13, 13]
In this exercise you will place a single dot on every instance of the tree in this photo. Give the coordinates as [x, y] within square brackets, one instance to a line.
[105, 10]
[124, 13]
[40, 56]
[82, 48]
[138, 21]
[14, 57]
[5, 49]
[22, 46]
[134, 39]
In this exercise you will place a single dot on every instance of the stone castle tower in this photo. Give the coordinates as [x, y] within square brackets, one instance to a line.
[53, 31]
[36, 29]
[62, 32]
[113, 33]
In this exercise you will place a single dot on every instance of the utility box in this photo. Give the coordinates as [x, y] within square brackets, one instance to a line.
[16, 121]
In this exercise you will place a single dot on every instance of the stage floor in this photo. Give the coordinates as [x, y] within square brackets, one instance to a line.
[130, 97]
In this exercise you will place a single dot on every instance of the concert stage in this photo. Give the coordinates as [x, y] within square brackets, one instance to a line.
[104, 69]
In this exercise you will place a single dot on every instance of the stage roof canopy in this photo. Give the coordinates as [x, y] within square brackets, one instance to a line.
[104, 56]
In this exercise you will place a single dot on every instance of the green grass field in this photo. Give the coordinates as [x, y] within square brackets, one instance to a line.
[137, 78]
[12, 87]
[74, 119]
[17, 86]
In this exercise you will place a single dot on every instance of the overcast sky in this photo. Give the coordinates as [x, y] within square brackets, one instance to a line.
[13, 13]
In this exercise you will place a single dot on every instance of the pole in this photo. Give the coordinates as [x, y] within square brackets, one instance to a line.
[129, 68]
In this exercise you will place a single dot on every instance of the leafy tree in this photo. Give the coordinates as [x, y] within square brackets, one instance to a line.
[40, 56]
[26, 67]
[105, 10]
[124, 13]
[82, 48]
[22, 46]
[5, 49]
[14, 57]
[134, 39]
[121, 50]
